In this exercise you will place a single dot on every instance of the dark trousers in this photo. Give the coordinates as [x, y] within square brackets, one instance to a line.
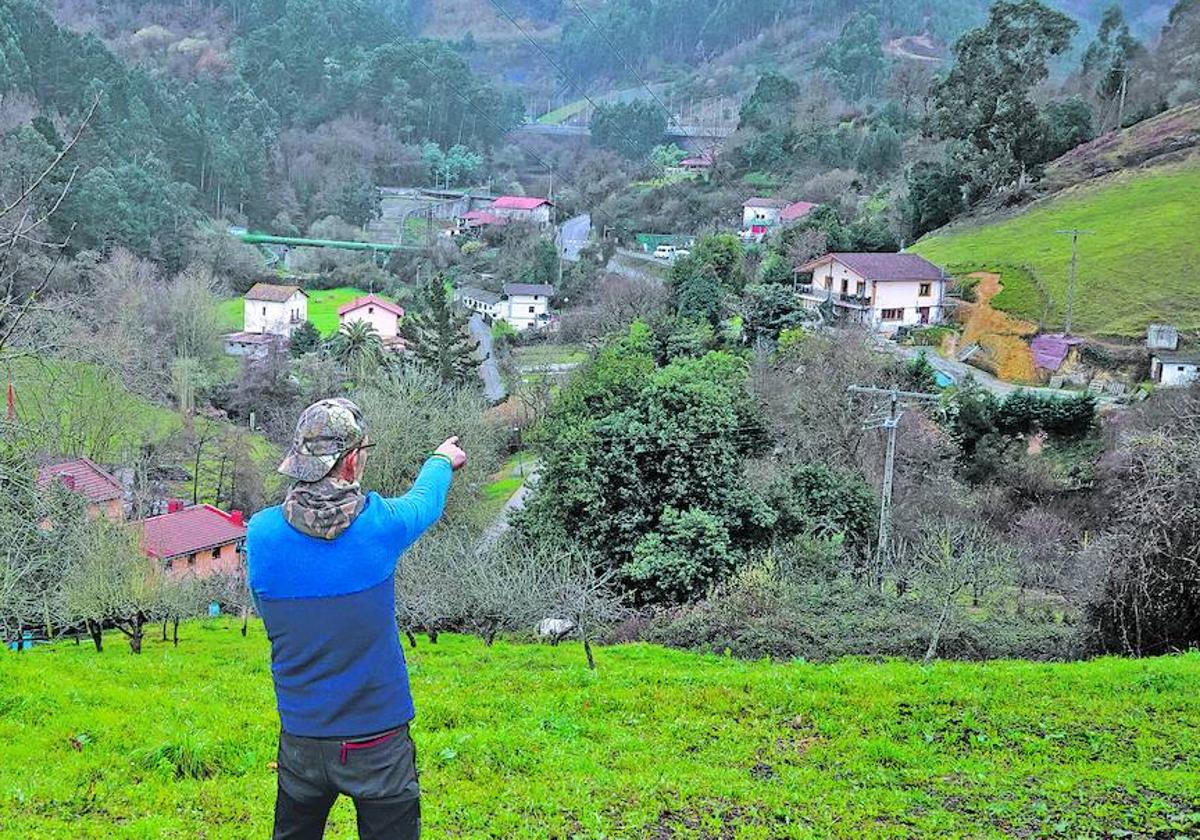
[379, 774]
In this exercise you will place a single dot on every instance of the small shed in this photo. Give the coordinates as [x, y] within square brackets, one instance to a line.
[1173, 370]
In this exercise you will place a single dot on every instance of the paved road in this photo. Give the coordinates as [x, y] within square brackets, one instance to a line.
[515, 502]
[638, 266]
[958, 371]
[489, 371]
[573, 236]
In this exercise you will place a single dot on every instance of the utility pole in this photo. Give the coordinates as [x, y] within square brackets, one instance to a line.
[1074, 233]
[890, 422]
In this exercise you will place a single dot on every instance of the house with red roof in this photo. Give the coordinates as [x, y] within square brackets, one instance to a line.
[760, 216]
[381, 314]
[882, 291]
[523, 208]
[104, 494]
[200, 539]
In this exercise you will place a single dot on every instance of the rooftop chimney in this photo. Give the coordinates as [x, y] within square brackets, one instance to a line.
[174, 505]
[236, 517]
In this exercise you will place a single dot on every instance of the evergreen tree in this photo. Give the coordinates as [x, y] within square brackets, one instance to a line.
[438, 337]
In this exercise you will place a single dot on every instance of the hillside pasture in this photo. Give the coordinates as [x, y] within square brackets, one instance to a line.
[1138, 265]
[522, 741]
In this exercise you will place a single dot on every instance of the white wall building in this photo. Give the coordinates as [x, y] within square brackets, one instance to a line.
[275, 310]
[884, 291]
[381, 314]
[523, 208]
[522, 305]
[1173, 370]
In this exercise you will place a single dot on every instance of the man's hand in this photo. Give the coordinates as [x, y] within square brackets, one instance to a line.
[450, 449]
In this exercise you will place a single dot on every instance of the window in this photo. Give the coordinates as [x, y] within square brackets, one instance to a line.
[861, 289]
[167, 564]
[264, 312]
[216, 553]
[191, 559]
[926, 290]
[370, 310]
[892, 314]
[531, 309]
[845, 286]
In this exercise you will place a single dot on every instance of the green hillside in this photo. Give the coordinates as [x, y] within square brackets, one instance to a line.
[522, 741]
[1140, 265]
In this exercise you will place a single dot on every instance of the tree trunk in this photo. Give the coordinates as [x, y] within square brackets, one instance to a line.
[164, 638]
[433, 636]
[587, 649]
[245, 619]
[937, 631]
[135, 638]
[97, 635]
[412, 640]
[175, 633]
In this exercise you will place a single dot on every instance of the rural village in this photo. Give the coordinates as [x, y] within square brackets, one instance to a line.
[827, 378]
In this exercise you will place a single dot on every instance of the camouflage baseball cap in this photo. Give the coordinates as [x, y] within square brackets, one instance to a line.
[325, 431]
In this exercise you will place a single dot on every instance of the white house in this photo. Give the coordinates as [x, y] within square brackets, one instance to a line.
[1172, 370]
[760, 216]
[381, 314]
[522, 305]
[275, 310]
[884, 291]
[523, 208]
[527, 305]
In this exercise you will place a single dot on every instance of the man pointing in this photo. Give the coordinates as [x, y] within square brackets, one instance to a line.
[321, 569]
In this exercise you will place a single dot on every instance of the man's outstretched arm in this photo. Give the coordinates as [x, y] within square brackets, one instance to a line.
[415, 511]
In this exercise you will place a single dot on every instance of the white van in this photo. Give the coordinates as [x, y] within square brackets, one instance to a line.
[664, 252]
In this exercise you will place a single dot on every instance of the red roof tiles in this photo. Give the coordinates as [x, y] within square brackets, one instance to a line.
[190, 530]
[870, 266]
[372, 300]
[519, 202]
[83, 476]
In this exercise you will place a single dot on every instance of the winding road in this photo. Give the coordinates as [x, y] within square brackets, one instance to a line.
[573, 236]
[489, 371]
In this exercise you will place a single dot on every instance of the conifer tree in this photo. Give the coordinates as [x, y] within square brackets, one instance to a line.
[438, 337]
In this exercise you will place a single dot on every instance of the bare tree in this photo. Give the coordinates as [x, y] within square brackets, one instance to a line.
[954, 558]
[24, 225]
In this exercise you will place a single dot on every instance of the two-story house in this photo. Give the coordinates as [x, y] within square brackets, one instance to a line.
[883, 291]
[273, 309]
[760, 216]
[521, 305]
[527, 305]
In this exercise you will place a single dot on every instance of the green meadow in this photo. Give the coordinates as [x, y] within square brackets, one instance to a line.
[1140, 264]
[323, 305]
[522, 741]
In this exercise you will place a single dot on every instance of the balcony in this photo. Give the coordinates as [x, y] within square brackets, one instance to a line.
[817, 295]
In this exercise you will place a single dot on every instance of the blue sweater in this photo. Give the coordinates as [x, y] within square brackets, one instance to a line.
[329, 607]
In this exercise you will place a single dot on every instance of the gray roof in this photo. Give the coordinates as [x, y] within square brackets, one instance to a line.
[1192, 358]
[529, 289]
[871, 266]
[774, 203]
[481, 295]
[272, 292]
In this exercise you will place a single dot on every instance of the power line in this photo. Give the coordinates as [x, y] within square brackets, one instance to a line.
[630, 68]
[466, 98]
[561, 70]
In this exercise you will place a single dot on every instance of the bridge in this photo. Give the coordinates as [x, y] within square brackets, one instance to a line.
[693, 137]
[301, 242]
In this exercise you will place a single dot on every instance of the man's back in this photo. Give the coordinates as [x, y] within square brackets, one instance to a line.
[329, 609]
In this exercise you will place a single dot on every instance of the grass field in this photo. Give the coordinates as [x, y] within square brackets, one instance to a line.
[524, 742]
[323, 305]
[1138, 266]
